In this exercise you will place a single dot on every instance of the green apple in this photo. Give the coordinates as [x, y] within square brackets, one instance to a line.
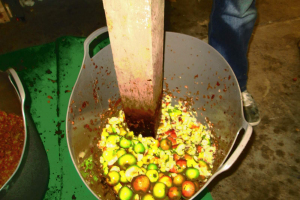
[139, 148]
[125, 193]
[125, 143]
[192, 173]
[113, 178]
[152, 166]
[126, 160]
[152, 175]
[159, 190]
[113, 139]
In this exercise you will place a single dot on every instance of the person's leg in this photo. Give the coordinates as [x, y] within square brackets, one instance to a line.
[230, 28]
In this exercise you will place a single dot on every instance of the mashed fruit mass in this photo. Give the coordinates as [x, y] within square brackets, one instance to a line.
[11, 144]
[173, 165]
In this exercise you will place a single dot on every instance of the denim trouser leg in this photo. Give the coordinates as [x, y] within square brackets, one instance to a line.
[230, 28]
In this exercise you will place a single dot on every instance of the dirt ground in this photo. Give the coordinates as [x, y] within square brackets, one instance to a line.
[269, 166]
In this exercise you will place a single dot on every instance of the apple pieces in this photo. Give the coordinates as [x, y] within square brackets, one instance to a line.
[132, 172]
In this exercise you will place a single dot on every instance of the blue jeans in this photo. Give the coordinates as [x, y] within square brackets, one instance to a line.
[230, 28]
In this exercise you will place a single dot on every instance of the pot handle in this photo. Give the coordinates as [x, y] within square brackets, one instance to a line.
[239, 149]
[16, 82]
[234, 155]
[90, 39]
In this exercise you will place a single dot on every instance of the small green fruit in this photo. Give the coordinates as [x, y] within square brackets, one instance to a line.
[152, 166]
[125, 193]
[126, 160]
[124, 143]
[152, 175]
[113, 178]
[159, 190]
[139, 148]
[192, 173]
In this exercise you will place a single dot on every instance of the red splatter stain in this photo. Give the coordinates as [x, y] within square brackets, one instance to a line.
[84, 104]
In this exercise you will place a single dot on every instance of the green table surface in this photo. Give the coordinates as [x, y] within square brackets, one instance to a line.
[48, 73]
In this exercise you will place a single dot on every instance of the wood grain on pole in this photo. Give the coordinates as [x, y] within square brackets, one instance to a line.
[136, 31]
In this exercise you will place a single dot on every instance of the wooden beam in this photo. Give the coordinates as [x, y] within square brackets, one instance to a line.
[136, 31]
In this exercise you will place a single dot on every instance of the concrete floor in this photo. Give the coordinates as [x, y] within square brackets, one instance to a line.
[269, 167]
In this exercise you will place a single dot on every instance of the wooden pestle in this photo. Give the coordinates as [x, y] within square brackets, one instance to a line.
[136, 31]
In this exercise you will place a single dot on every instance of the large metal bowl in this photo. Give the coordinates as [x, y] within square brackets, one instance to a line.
[190, 65]
[12, 97]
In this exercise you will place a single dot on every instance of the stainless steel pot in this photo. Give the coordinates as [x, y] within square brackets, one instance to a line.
[192, 67]
[12, 98]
